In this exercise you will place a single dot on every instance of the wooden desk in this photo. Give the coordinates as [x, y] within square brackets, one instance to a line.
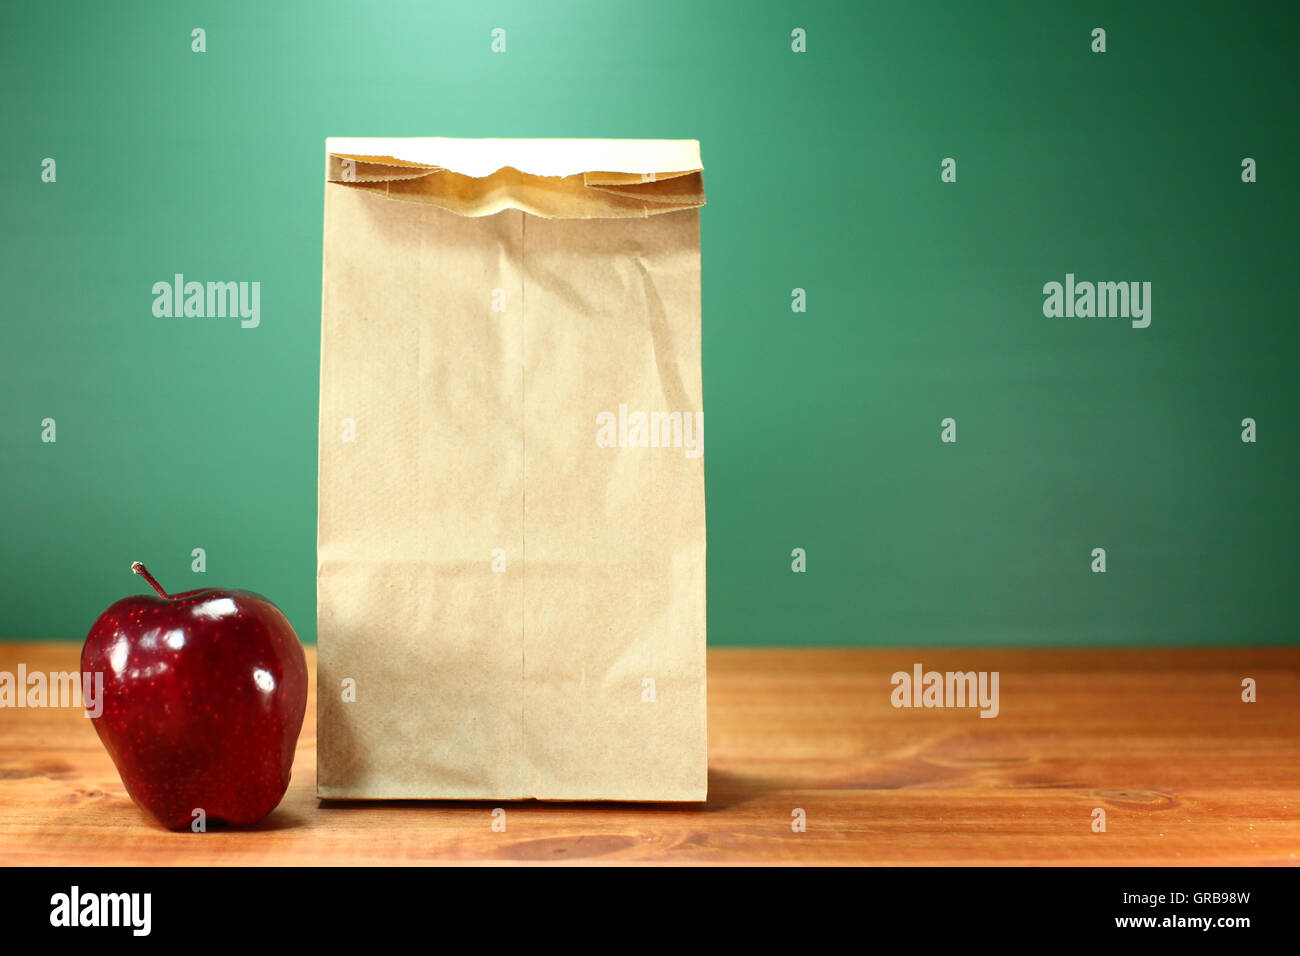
[1186, 772]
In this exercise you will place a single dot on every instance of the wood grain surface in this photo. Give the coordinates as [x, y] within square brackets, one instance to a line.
[1186, 772]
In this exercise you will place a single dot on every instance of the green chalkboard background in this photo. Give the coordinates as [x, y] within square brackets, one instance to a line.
[823, 171]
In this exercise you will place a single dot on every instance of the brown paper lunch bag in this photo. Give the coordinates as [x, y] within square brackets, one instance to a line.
[511, 527]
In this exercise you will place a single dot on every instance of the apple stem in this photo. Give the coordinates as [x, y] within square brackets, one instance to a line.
[141, 570]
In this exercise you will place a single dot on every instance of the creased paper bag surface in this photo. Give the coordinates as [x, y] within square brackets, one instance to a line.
[511, 537]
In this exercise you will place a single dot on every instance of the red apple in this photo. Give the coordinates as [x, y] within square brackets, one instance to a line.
[204, 695]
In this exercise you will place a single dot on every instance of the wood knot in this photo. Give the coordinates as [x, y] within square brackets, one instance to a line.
[567, 848]
[1138, 799]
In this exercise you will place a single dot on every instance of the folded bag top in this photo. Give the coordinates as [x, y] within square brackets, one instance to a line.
[550, 178]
